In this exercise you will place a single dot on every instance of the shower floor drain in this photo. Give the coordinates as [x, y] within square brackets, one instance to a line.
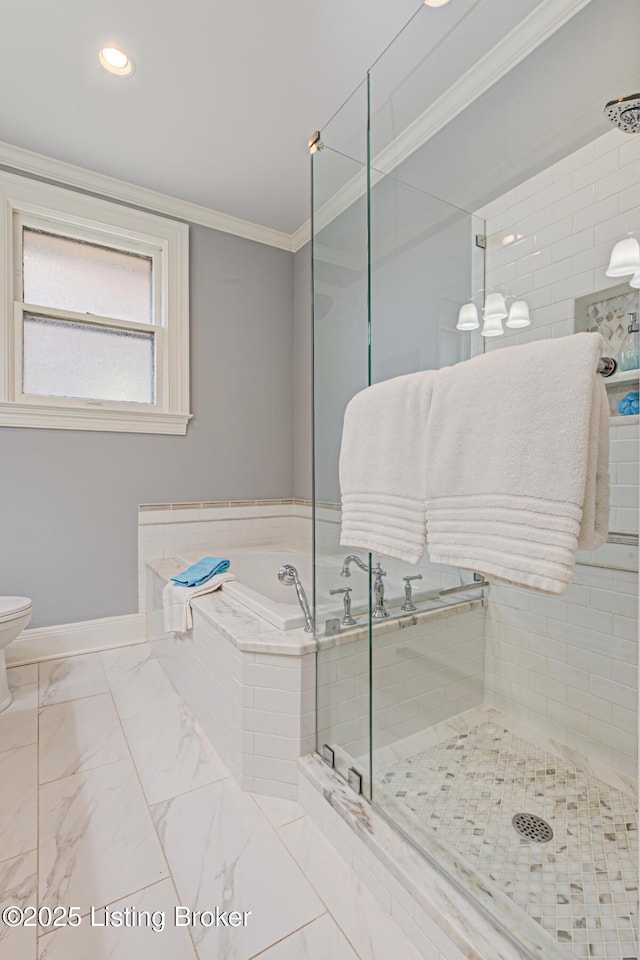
[532, 828]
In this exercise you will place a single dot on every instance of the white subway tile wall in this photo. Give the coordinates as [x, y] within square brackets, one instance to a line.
[568, 665]
[167, 530]
[422, 674]
[258, 709]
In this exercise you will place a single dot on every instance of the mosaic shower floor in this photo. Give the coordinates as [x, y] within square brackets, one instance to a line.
[582, 886]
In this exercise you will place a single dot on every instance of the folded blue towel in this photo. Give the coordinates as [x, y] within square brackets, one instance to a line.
[200, 572]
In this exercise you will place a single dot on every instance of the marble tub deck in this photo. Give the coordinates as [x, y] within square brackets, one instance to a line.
[112, 796]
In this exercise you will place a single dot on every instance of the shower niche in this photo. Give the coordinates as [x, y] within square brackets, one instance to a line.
[610, 313]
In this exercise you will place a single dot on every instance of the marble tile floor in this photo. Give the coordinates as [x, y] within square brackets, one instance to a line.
[582, 885]
[111, 797]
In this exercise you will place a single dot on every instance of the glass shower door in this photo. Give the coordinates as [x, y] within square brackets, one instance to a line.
[391, 267]
[427, 658]
[340, 348]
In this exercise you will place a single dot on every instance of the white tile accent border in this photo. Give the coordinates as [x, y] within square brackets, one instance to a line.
[71, 639]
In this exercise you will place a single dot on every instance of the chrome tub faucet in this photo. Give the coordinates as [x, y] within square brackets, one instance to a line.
[380, 611]
[352, 558]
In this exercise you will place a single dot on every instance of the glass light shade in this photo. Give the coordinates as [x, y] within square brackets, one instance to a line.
[492, 326]
[625, 258]
[635, 281]
[436, 3]
[495, 308]
[519, 314]
[468, 317]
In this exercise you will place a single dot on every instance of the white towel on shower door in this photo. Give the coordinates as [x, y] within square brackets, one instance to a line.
[518, 476]
[383, 467]
[176, 602]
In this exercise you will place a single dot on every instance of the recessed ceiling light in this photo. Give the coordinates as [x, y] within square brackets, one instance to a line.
[116, 61]
[436, 3]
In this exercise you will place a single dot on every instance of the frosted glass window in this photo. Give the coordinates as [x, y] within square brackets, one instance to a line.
[86, 277]
[64, 358]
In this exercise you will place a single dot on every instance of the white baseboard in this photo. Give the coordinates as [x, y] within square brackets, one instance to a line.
[70, 639]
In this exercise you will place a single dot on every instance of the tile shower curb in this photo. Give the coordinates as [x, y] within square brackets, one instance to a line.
[440, 904]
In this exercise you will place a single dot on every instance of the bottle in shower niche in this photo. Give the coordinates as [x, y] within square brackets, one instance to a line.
[629, 356]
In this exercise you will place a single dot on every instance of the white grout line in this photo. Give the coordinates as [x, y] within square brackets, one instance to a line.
[58, 703]
[356, 879]
[14, 856]
[169, 876]
[275, 943]
[261, 814]
[144, 796]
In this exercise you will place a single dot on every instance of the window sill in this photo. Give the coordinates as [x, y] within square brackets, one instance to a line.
[53, 417]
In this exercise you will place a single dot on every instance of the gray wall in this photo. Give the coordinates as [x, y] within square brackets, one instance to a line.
[422, 265]
[302, 462]
[68, 499]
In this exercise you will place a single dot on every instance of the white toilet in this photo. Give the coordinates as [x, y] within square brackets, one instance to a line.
[15, 613]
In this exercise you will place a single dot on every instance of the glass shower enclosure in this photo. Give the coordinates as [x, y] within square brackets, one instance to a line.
[439, 708]
[385, 303]
[391, 265]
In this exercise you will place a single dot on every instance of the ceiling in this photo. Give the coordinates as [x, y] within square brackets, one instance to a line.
[226, 94]
[548, 105]
[223, 100]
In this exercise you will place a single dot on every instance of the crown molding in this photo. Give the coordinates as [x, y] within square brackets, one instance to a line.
[301, 236]
[537, 27]
[79, 178]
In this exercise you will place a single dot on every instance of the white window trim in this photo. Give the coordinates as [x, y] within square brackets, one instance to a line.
[68, 212]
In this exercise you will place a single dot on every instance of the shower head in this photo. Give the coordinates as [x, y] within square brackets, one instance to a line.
[625, 113]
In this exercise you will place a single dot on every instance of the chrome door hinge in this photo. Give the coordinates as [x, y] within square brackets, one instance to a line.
[354, 779]
[328, 755]
[315, 143]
